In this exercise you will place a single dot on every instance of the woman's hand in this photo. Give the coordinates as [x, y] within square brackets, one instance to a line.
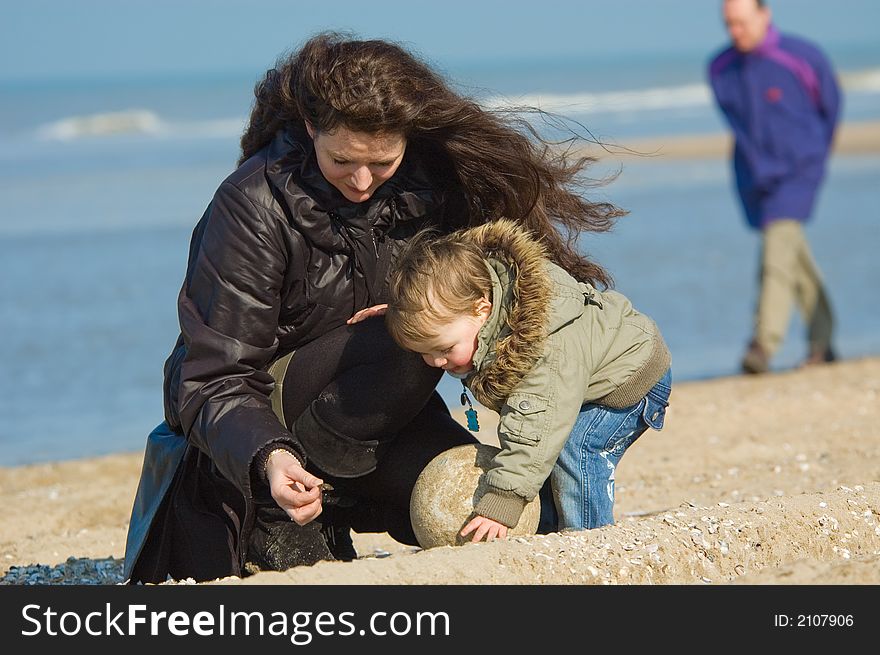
[483, 527]
[296, 491]
[369, 312]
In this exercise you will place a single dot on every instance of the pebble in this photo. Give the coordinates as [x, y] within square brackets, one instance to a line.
[75, 571]
[843, 552]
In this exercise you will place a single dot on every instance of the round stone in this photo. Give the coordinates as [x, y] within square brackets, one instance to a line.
[443, 497]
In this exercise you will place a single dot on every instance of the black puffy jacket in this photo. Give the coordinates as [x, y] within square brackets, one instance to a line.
[278, 259]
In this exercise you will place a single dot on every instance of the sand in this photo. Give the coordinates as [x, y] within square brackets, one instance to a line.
[771, 479]
[852, 138]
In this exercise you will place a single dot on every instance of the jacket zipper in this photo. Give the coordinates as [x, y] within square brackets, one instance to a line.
[353, 263]
[375, 243]
[392, 203]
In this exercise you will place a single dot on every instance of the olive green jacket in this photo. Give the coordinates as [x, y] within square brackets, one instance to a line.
[550, 345]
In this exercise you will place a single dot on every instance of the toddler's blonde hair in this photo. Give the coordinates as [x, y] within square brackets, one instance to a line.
[435, 280]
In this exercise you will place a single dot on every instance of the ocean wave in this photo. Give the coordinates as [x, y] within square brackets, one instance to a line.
[669, 98]
[689, 95]
[684, 96]
[136, 122]
[866, 81]
[132, 121]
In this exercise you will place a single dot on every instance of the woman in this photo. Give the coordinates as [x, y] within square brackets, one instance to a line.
[288, 419]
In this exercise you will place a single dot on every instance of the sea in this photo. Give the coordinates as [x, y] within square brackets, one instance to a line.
[102, 181]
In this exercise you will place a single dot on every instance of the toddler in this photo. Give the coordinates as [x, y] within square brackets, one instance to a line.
[576, 374]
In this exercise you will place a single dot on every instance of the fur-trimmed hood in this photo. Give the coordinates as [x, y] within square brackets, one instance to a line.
[513, 337]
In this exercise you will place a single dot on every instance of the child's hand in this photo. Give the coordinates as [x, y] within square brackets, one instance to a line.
[483, 527]
[368, 312]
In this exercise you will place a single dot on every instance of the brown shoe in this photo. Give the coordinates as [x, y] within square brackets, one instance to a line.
[755, 360]
[820, 356]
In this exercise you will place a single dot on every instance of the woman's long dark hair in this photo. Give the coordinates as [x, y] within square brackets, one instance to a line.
[501, 165]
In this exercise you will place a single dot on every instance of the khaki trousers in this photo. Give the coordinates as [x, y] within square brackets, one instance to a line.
[789, 274]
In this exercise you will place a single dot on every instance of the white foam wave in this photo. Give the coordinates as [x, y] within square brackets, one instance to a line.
[689, 95]
[867, 81]
[131, 121]
[684, 96]
[137, 121]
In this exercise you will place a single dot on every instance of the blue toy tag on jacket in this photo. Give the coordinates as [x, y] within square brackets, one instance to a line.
[470, 413]
[472, 423]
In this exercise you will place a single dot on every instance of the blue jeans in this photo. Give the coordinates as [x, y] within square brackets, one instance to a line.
[582, 480]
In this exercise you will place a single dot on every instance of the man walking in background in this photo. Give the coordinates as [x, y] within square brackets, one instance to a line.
[781, 99]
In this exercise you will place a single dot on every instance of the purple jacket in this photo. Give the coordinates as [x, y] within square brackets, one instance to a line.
[782, 102]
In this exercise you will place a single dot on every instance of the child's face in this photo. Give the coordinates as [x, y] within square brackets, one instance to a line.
[454, 349]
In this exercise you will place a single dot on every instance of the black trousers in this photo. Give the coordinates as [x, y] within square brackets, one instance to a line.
[355, 381]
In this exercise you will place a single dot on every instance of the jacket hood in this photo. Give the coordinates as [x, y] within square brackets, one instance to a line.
[525, 309]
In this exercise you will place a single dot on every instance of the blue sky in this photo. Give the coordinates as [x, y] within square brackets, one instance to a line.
[74, 39]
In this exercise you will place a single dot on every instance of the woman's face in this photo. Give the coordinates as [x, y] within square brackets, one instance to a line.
[357, 163]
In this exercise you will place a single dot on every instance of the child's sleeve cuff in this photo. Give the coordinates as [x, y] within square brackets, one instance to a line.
[506, 507]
